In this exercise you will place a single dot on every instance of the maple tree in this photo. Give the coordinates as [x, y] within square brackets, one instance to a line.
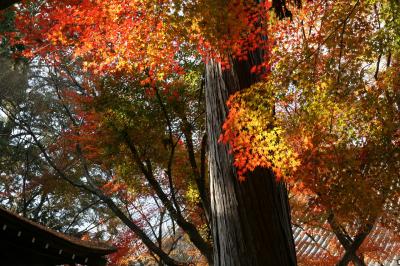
[162, 162]
[253, 217]
[67, 153]
[107, 169]
[332, 131]
[27, 185]
[313, 103]
[108, 45]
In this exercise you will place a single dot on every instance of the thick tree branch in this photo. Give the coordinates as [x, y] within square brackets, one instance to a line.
[137, 230]
[94, 190]
[377, 67]
[350, 245]
[194, 235]
[342, 46]
[350, 254]
[198, 174]
[172, 151]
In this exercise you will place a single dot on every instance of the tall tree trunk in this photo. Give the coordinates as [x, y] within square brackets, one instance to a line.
[250, 219]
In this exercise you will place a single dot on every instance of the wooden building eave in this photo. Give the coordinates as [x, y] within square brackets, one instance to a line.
[24, 242]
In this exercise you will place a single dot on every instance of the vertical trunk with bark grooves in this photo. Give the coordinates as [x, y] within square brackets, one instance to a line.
[250, 219]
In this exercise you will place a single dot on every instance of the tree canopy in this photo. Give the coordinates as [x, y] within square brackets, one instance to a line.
[112, 108]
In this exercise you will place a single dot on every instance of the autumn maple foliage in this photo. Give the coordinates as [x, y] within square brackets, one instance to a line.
[327, 117]
[151, 172]
[324, 116]
[141, 36]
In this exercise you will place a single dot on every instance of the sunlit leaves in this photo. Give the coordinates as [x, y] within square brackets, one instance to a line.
[142, 36]
[254, 135]
[327, 111]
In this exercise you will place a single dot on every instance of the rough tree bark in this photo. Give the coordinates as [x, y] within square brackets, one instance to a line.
[250, 219]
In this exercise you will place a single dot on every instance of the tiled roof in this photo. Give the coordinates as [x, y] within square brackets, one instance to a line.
[319, 246]
[94, 246]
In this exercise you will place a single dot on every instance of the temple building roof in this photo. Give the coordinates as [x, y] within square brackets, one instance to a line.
[24, 242]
